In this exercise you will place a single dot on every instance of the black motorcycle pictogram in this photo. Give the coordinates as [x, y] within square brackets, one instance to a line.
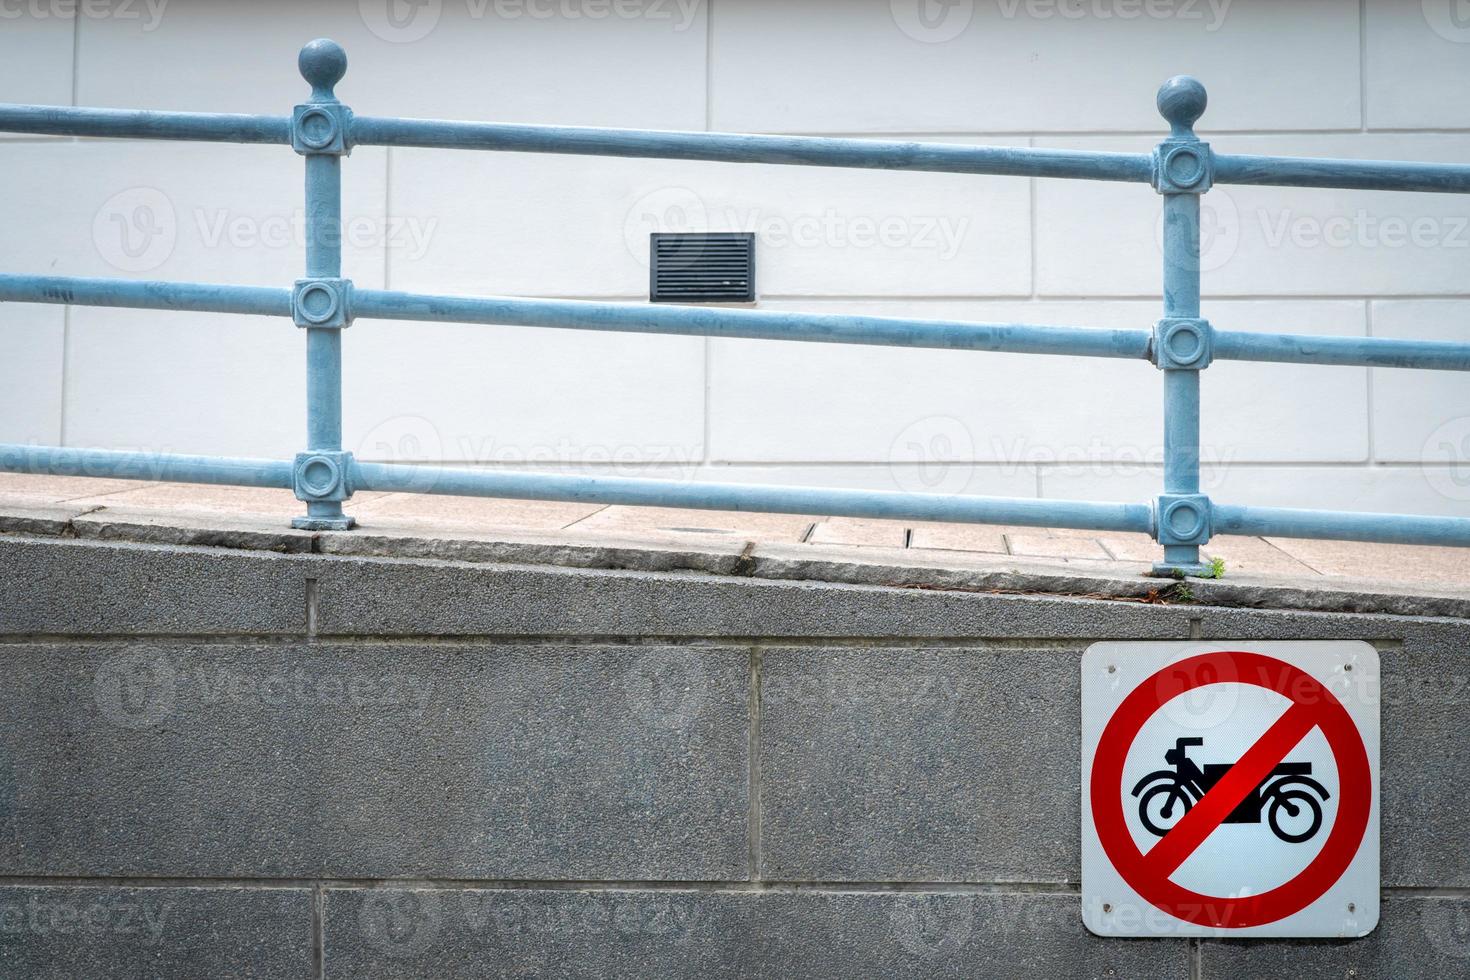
[1292, 812]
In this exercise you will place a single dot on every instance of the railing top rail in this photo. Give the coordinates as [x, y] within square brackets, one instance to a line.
[147, 124]
[813, 151]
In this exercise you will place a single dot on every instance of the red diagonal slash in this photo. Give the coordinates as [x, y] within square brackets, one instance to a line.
[1165, 857]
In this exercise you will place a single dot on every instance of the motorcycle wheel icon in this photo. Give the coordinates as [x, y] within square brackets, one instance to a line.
[1290, 797]
[1164, 805]
[1293, 802]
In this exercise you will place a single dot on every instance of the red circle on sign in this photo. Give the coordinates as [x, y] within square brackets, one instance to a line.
[1325, 711]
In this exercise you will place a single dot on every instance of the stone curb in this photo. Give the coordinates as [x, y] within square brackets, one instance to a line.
[849, 565]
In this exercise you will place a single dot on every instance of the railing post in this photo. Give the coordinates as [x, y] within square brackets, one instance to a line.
[1182, 343]
[321, 302]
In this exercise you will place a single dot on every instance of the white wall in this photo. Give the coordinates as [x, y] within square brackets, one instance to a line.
[1304, 77]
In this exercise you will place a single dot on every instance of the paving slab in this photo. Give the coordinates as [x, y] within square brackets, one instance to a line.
[964, 537]
[854, 531]
[752, 527]
[196, 497]
[1383, 562]
[33, 487]
[1042, 545]
[1252, 555]
[476, 511]
[1128, 547]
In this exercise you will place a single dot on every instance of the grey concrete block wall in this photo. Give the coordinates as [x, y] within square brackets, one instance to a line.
[902, 764]
[351, 767]
[479, 761]
[725, 934]
[65, 932]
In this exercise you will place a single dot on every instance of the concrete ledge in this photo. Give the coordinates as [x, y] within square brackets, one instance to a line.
[734, 554]
[59, 586]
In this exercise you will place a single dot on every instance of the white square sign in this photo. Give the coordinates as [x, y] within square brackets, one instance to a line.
[1230, 788]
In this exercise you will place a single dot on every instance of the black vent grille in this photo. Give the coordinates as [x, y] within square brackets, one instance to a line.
[705, 267]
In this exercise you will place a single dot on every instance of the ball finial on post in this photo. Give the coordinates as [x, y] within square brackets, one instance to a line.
[322, 63]
[1182, 100]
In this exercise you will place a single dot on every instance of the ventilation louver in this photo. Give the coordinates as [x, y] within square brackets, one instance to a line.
[703, 267]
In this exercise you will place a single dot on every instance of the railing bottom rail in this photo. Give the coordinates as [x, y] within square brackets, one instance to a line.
[696, 495]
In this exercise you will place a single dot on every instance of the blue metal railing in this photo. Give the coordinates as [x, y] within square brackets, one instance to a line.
[1182, 344]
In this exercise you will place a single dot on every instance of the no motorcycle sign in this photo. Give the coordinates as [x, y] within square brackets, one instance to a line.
[1230, 789]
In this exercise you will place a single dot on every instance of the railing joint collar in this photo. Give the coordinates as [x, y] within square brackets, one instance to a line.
[322, 303]
[1183, 166]
[321, 475]
[1182, 519]
[321, 129]
[1182, 343]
